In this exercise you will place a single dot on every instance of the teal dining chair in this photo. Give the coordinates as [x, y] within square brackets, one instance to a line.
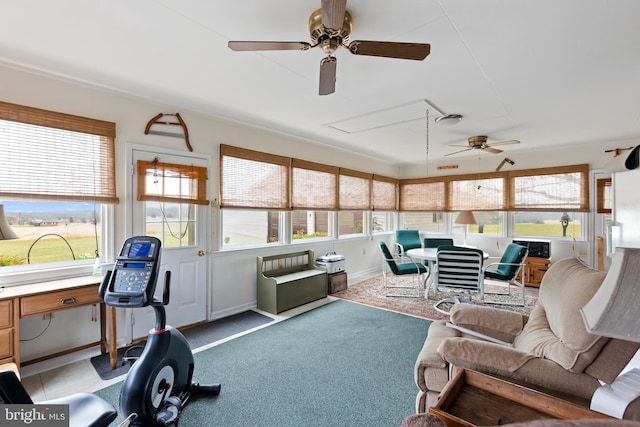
[398, 267]
[507, 269]
[407, 239]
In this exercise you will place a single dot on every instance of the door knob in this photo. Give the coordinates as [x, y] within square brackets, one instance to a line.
[201, 253]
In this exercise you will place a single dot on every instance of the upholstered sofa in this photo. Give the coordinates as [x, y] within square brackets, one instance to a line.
[550, 350]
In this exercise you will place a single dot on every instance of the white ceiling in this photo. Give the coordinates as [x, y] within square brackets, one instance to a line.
[545, 72]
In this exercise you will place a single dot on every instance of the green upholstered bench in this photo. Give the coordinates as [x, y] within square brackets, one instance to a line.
[289, 280]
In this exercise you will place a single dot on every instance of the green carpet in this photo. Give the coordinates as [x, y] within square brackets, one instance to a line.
[343, 364]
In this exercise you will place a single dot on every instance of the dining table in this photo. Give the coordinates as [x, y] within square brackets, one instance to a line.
[429, 255]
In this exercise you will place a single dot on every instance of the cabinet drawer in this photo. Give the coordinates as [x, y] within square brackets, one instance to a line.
[6, 314]
[54, 301]
[6, 343]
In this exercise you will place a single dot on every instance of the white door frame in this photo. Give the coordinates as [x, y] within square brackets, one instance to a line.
[130, 212]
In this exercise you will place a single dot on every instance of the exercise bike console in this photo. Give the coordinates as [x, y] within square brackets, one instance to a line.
[159, 383]
[133, 280]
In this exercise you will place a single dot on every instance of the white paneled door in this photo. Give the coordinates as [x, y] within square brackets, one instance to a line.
[182, 228]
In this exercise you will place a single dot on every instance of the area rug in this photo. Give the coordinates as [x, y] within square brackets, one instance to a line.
[197, 336]
[371, 292]
[342, 364]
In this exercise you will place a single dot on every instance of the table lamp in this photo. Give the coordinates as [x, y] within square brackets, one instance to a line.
[614, 312]
[465, 218]
[6, 233]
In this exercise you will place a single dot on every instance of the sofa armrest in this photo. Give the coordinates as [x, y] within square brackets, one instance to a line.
[498, 324]
[431, 371]
[516, 366]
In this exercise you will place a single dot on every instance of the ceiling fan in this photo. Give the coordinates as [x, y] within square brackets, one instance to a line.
[330, 28]
[480, 143]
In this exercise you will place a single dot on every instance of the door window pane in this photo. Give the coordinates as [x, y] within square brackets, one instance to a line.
[173, 223]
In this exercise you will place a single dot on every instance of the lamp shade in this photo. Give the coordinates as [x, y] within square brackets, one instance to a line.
[466, 217]
[6, 233]
[614, 310]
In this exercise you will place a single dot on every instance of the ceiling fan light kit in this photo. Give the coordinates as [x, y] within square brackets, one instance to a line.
[330, 28]
[448, 119]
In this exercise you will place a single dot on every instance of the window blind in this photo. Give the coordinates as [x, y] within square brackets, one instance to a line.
[422, 194]
[552, 189]
[314, 186]
[173, 183]
[55, 156]
[354, 190]
[477, 193]
[253, 180]
[563, 188]
[385, 193]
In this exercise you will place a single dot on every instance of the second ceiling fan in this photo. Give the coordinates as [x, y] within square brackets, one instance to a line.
[330, 28]
[480, 143]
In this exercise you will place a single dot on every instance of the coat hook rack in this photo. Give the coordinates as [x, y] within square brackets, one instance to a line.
[161, 119]
[617, 151]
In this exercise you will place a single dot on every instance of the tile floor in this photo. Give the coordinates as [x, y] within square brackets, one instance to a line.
[80, 376]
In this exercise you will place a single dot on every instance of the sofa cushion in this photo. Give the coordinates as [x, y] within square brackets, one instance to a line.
[555, 329]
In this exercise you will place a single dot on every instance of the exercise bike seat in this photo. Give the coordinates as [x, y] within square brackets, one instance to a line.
[85, 409]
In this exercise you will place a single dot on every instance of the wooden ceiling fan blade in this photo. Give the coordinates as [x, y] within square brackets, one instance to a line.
[491, 150]
[328, 68]
[333, 12]
[241, 46]
[415, 51]
[456, 152]
[511, 141]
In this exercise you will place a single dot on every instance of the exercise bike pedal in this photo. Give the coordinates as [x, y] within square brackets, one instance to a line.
[213, 389]
[170, 411]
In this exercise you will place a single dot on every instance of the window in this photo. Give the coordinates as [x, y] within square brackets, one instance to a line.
[254, 187]
[351, 222]
[385, 193]
[58, 179]
[490, 223]
[382, 222]
[564, 188]
[548, 224]
[473, 193]
[314, 185]
[427, 194]
[554, 189]
[51, 232]
[253, 180]
[426, 222]
[250, 227]
[310, 224]
[353, 201]
[170, 193]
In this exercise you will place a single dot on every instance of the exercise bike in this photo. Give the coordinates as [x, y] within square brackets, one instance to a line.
[159, 384]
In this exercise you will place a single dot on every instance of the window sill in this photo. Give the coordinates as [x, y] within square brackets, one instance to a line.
[44, 275]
